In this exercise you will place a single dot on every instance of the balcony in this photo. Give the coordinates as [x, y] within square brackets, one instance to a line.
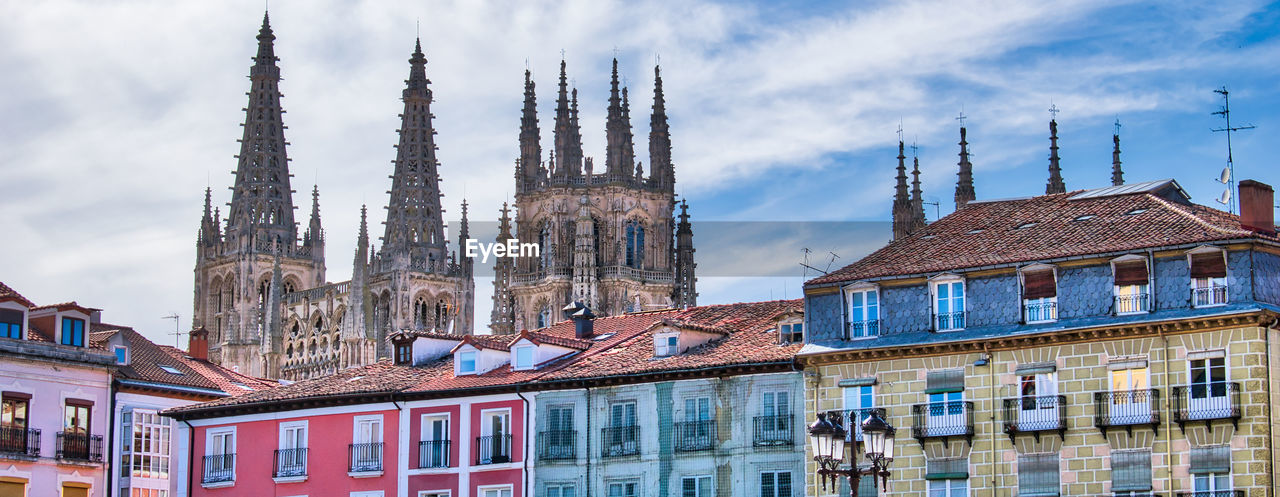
[773, 431]
[364, 458]
[79, 447]
[219, 468]
[433, 454]
[1206, 402]
[1040, 311]
[1132, 304]
[290, 464]
[949, 321]
[942, 420]
[1035, 415]
[1127, 408]
[557, 445]
[1212, 493]
[493, 449]
[863, 329]
[20, 442]
[1209, 296]
[693, 436]
[618, 441]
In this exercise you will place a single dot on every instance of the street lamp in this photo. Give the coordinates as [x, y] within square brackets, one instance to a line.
[827, 438]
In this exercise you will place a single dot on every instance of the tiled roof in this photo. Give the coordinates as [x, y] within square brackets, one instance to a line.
[1047, 227]
[491, 342]
[557, 340]
[426, 334]
[380, 377]
[7, 293]
[230, 382]
[146, 359]
[65, 305]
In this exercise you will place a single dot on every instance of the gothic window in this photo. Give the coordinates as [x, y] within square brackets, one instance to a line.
[317, 326]
[635, 244]
[384, 312]
[420, 315]
[442, 315]
[289, 287]
[544, 316]
[311, 349]
[264, 290]
[544, 245]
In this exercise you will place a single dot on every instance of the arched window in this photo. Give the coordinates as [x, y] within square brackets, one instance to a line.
[442, 315]
[544, 245]
[317, 326]
[289, 287]
[635, 244]
[420, 316]
[544, 316]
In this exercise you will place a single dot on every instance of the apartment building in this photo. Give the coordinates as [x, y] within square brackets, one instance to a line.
[1115, 341]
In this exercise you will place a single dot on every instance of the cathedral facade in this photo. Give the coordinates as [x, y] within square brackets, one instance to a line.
[260, 287]
[608, 238]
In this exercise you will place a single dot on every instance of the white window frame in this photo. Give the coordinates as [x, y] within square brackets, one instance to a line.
[209, 436]
[948, 280]
[947, 485]
[697, 485]
[636, 482]
[776, 491]
[1196, 283]
[788, 336]
[856, 432]
[865, 290]
[1127, 409]
[1049, 317]
[1132, 290]
[662, 346]
[475, 362]
[426, 435]
[116, 350]
[288, 426]
[482, 491]
[435, 493]
[366, 418]
[1197, 407]
[533, 357]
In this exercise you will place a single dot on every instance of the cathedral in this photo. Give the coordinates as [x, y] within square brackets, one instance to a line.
[609, 239]
[260, 288]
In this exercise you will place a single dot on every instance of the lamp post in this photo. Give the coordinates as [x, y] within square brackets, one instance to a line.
[827, 437]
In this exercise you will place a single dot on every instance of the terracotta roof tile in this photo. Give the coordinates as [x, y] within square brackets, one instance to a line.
[152, 363]
[7, 293]
[557, 340]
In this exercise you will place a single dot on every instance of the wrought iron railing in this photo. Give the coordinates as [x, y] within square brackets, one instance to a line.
[1205, 401]
[947, 321]
[493, 449]
[1129, 304]
[219, 468]
[364, 457]
[433, 453]
[290, 463]
[942, 419]
[1039, 312]
[79, 446]
[616, 441]
[1210, 295]
[20, 441]
[1126, 408]
[1035, 414]
[1213, 493]
[693, 436]
[864, 329]
[557, 444]
[774, 430]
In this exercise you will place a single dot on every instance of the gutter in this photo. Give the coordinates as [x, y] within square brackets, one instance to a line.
[191, 455]
[111, 436]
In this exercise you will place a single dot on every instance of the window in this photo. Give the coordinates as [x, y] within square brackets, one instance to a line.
[219, 455]
[524, 357]
[561, 490]
[558, 440]
[791, 332]
[404, 353]
[1208, 388]
[291, 458]
[666, 345]
[433, 450]
[467, 362]
[122, 354]
[1131, 400]
[946, 408]
[1038, 406]
[954, 487]
[864, 313]
[171, 370]
[697, 432]
[11, 323]
[948, 305]
[696, 486]
[1038, 474]
[621, 435]
[145, 452]
[73, 332]
[76, 419]
[624, 489]
[544, 315]
[504, 491]
[773, 427]
[1131, 471]
[775, 484]
[1131, 280]
[635, 244]
[1208, 277]
[1211, 468]
[1039, 294]
[13, 422]
[858, 401]
[366, 443]
[495, 437]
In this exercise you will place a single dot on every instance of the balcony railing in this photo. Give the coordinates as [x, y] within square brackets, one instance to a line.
[1206, 401]
[290, 463]
[774, 430]
[493, 449]
[1132, 304]
[364, 457]
[864, 329]
[219, 468]
[79, 447]
[693, 436]
[1207, 296]
[1035, 414]
[1213, 493]
[19, 441]
[617, 441]
[1126, 408]
[942, 419]
[948, 321]
[433, 454]
[1040, 312]
[557, 444]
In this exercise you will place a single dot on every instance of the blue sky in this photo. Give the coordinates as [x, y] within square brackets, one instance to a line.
[115, 116]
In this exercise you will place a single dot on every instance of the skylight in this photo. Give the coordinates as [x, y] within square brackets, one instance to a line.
[1026, 225]
[604, 336]
[171, 370]
[1085, 217]
[976, 231]
[1136, 212]
[928, 237]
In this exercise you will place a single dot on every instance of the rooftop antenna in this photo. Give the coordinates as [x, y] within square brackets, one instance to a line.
[806, 265]
[937, 207]
[1228, 176]
[176, 333]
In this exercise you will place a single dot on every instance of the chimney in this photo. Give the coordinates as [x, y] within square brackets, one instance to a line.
[198, 344]
[583, 323]
[1257, 206]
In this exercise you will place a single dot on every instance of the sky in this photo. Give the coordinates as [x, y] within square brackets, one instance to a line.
[115, 116]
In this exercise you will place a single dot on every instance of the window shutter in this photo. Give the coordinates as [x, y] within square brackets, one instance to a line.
[1210, 265]
[1038, 475]
[947, 380]
[1039, 284]
[1131, 470]
[1131, 273]
[945, 469]
[1215, 459]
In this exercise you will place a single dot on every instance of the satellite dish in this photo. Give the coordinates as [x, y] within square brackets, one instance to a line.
[1225, 198]
[1225, 177]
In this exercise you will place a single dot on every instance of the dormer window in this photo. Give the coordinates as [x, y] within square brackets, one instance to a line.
[73, 332]
[948, 303]
[122, 354]
[404, 353]
[467, 362]
[791, 332]
[1208, 276]
[523, 357]
[11, 323]
[1132, 295]
[1039, 294]
[864, 312]
[667, 345]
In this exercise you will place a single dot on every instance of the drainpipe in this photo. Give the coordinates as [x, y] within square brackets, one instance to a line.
[588, 444]
[1266, 406]
[1168, 427]
[191, 454]
[111, 447]
[991, 378]
[525, 456]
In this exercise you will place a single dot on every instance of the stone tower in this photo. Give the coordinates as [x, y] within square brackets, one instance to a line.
[903, 210]
[1055, 184]
[500, 318]
[964, 184]
[607, 238]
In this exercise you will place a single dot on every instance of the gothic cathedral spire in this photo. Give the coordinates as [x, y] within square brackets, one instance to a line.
[415, 226]
[902, 213]
[616, 131]
[964, 185]
[530, 139]
[917, 196]
[261, 200]
[568, 152]
[502, 317]
[686, 290]
[661, 172]
[1117, 174]
[1055, 184]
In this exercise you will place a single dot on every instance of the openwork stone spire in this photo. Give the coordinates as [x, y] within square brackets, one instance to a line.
[567, 158]
[314, 236]
[1055, 184]
[686, 290]
[964, 185]
[616, 130]
[502, 317]
[530, 139]
[917, 196]
[628, 141]
[661, 171]
[1117, 174]
[415, 226]
[261, 200]
[901, 202]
